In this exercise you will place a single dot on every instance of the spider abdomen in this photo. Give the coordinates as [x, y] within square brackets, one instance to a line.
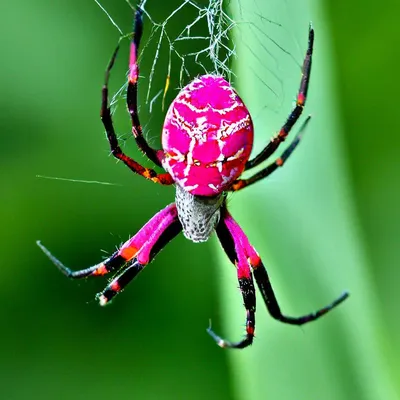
[207, 136]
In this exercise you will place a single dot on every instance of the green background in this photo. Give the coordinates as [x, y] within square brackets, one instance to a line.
[327, 222]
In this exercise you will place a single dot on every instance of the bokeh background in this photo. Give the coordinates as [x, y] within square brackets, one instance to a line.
[326, 222]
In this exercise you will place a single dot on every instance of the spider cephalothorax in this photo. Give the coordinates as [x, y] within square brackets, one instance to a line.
[198, 215]
[207, 139]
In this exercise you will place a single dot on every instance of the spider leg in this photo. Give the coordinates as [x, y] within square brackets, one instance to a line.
[296, 112]
[261, 276]
[231, 242]
[112, 263]
[119, 282]
[161, 236]
[105, 114]
[154, 155]
[242, 183]
[155, 230]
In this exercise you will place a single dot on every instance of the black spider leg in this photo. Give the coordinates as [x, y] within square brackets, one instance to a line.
[261, 276]
[279, 162]
[134, 267]
[235, 252]
[105, 114]
[296, 112]
[119, 282]
[112, 263]
[154, 155]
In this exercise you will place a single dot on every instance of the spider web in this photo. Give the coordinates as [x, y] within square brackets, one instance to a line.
[195, 37]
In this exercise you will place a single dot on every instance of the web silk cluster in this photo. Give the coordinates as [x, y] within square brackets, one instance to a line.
[207, 139]
[212, 51]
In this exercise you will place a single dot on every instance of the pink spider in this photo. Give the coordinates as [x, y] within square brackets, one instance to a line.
[207, 139]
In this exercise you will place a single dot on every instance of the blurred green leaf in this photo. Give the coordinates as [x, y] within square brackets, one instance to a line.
[305, 223]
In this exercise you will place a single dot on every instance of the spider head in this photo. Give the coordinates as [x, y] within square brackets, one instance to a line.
[207, 137]
[198, 214]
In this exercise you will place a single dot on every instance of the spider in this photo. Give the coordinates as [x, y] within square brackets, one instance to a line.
[207, 138]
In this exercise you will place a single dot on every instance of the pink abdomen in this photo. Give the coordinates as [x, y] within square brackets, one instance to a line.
[207, 136]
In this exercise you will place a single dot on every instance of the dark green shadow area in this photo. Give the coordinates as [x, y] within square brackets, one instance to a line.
[57, 343]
